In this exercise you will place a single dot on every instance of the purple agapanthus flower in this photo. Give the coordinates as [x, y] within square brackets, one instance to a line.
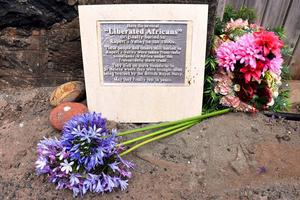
[86, 158]
[47, 150]
[88, 141]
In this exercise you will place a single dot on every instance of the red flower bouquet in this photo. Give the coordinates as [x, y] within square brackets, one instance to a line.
[249, 66]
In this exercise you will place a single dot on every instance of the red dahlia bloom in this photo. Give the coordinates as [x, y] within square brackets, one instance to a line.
[246, 93]
[247, 90]
[269, 41]
[250, 72]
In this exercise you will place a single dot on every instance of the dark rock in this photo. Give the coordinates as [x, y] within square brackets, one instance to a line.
[34, 13]
[17, 165]
[283, 137]
[40, 39]
[286, 138]
[254, 129]
[52, 57]
[19, 108]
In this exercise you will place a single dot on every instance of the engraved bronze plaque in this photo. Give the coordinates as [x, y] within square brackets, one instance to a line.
[147, 53]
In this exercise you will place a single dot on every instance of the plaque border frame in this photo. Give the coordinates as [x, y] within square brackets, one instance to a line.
[188, 50]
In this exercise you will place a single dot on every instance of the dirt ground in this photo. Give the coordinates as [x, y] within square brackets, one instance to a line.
[234, 156]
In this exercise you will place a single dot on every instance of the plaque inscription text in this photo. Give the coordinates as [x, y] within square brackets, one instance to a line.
[152, 53]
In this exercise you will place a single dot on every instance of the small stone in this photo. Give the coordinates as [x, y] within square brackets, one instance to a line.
[286, 138]
[278, 137]
[64, 112]
[17, 165]
[68, 92]
[283, 137]
[21, 125]
[19, 108]
[254, 129]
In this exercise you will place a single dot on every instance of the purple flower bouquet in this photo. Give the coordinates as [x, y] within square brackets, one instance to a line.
[88, 157]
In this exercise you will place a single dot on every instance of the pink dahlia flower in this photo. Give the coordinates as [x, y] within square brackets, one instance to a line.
[269, 41]
[274, 65]
[218, 41]
[247, 51]
[225, 55]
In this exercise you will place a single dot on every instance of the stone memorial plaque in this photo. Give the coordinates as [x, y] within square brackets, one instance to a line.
[144, 62]
[149, 53]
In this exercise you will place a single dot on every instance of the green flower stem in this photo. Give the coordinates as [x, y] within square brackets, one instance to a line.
[189, 122]
[164, 124]
[158, 137]
[158, 132]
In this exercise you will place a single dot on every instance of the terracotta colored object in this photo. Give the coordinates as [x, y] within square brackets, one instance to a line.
[68, 92]
[64, 112]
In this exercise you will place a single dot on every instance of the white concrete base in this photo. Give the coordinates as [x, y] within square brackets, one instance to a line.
[144, 103]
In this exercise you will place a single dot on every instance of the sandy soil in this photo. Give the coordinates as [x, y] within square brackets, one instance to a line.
[234, 156]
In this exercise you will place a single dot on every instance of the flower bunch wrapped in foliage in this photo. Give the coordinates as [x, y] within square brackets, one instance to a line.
[245, 69]
[249, 61]
[86, 158]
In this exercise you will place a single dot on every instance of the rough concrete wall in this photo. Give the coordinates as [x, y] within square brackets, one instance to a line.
[40, 39]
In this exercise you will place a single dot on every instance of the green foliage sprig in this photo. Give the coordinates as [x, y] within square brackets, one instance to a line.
[210, 98]
[243, 13]
[231, 13]
[282, 102]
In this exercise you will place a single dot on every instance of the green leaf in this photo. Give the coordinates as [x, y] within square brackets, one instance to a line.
[286, 51]
[285, 73]
[282, 102]
[280, 32]
[243, 13]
